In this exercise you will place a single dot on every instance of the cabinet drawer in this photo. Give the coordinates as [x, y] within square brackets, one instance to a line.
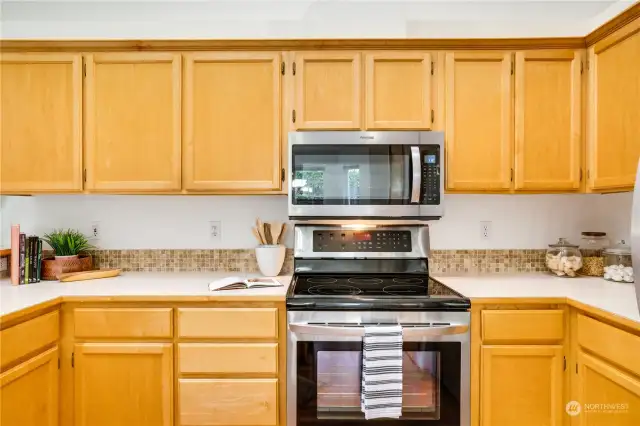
[228, 322]
[28, 337]
[522, 326]
[609, 342]
[122, 322]
[224, 358]
[228, 402]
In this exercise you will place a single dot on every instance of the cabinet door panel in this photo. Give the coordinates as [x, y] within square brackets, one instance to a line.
[133, 121]
[614, 134]
[398, 90]
[328, 90]
[123, 384]
[607, 396]
[521, 385]
[547, 117]
[29, 392]
[232, 121]
[478, 121]
[40, 123]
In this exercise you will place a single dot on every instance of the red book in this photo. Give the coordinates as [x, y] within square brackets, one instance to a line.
[15, 254]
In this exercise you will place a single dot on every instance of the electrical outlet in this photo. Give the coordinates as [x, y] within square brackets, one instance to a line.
[95, 230]
[215, 230]
[485, 230]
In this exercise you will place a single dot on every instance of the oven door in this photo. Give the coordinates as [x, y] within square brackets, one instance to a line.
[364, 175]
[325, 369]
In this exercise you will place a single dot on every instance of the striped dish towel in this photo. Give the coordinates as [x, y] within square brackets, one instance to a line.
[382, 372]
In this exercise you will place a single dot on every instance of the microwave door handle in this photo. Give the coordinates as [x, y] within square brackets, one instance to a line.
[358, 331]
[416, 176]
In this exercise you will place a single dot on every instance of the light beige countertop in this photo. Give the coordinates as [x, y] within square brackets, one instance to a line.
[133, 286]
[614, 298]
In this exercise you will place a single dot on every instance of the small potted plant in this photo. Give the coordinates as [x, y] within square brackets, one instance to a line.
[71, 249]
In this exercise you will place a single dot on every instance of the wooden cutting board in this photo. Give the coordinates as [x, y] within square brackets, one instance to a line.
[89, 275]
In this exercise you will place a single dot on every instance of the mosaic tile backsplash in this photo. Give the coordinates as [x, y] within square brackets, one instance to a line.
[441, 261]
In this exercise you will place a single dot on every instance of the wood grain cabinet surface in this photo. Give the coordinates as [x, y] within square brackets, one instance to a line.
[41, 122]
[228, 323]
[328, 90]
[140, 323]
[123, 384]
[521, 385]
[29, 392]
[232, 121]
[133, 121]
[478, 121]
[614, 133]
[548, 120]
[398, 90]
[29, 337]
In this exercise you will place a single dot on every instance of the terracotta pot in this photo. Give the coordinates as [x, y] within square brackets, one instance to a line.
[51, 268]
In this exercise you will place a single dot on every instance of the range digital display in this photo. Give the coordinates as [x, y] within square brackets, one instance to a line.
[362, 236]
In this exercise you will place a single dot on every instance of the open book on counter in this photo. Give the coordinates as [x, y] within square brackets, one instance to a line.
[237, 283]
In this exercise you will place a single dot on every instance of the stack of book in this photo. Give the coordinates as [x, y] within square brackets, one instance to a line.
[26, 257]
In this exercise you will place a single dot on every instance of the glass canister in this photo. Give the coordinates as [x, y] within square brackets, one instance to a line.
[563, 258]
[617, 263]
[592, 246]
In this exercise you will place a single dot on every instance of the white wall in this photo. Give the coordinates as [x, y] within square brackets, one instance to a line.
[299, 18]
[139, 222]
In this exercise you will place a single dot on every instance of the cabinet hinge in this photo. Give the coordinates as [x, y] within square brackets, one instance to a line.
[432, 67]
[576, 368]
[73, 359]
[433, 115]
[588, 65]
[581, 67]
[293, 67]
[84, 175]
[84, 69]
[58, 363]
[588, 174]
[282, 173]
[511, 174]
[580, 180]
[282, 68]
[293, 116]
[512, 67]
[564, 363]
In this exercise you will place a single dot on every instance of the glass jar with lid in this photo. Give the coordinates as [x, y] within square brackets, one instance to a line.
[592, 245]
[617, 263]
[563, 258]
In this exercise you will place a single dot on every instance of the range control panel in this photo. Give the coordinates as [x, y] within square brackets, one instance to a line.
[361, 241]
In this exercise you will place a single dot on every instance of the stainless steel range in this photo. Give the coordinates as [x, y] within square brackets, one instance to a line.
[347, 278]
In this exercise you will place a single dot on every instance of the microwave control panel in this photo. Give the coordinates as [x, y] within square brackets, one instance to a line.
[361, 241]
[430, 191]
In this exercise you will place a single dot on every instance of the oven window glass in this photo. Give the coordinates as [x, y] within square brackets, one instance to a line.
[351, 175]
[329, 384]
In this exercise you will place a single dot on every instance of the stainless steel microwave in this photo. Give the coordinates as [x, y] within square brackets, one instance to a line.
[385, 175]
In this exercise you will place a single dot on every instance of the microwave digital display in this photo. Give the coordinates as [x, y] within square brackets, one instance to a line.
[430, 159]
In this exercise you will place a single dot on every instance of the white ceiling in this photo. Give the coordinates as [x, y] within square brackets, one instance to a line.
[303, 18]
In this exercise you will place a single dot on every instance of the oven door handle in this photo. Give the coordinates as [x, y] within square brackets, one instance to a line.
[416, 175]
[358, 331]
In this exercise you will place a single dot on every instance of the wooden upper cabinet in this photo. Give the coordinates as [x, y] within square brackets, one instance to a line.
[232, 121]
[29, 392]
[521, 385]
[398, 90]
[614, 112]
[132, 123]
[123, 384]
[328, 92]
[600, 384]
[478, 121]
[40, 122]
[547, 120]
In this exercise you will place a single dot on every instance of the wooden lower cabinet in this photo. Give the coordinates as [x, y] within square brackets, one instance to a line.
[521, 385]
[29, 392]
[607, 395]
[241, 402]
[123, 384]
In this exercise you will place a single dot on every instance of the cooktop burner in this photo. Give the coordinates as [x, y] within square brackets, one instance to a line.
[349, 285]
